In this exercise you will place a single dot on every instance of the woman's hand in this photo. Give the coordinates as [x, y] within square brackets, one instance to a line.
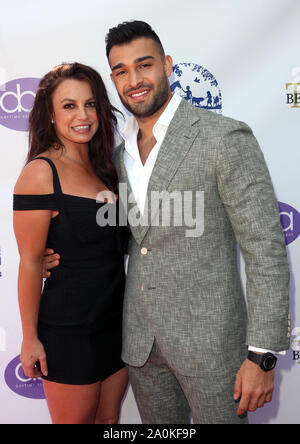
[31, 352]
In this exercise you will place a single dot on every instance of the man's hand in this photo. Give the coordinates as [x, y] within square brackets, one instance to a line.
[253, 386]
[50, 261]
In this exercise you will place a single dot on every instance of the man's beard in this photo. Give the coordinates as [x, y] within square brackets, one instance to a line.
[159, 98]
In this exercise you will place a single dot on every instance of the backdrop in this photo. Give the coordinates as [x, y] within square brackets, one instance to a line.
[234, 57]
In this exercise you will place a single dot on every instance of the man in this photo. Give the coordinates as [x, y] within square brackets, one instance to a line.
[186, 327]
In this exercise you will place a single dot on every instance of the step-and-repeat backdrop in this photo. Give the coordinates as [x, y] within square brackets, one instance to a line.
[235, 57]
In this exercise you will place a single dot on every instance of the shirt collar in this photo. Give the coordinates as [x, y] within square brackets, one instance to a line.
[131, 126]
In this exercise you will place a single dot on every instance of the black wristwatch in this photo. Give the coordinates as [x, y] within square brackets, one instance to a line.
[266, 361]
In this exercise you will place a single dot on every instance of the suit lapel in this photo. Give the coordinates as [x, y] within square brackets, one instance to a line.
[176, 144]
[127, 198]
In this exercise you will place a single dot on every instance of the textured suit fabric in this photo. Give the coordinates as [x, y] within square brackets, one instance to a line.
[186, 291]
[164, 396]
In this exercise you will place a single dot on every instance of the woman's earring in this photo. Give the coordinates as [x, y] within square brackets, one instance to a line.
[52, 121]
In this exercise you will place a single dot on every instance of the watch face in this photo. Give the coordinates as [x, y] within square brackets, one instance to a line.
[269, 363]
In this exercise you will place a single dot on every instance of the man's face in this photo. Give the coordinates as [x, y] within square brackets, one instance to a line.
[140, 74]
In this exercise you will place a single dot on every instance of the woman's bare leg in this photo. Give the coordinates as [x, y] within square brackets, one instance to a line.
[112, 392]
[72, 404]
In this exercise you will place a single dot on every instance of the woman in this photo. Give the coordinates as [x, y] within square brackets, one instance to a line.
[72, 332]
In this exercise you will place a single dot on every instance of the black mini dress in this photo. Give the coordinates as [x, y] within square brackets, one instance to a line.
[80, 316]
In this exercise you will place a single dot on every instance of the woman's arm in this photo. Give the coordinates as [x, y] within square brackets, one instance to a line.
[31, 230]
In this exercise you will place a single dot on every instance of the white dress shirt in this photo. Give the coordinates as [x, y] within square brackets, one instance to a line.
[139, 174]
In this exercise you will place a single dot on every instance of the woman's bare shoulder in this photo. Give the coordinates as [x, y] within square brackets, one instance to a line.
[35, 178]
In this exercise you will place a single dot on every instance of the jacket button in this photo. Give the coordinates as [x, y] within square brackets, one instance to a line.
[144, 250]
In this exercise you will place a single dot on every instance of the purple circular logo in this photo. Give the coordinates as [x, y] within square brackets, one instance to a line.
[18, 382]
[16, 101]
[290, 221]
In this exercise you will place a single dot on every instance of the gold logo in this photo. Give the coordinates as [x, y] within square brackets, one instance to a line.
[295, 344]
[293, 98]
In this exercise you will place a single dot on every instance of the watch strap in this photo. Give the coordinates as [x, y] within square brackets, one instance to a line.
[255, 357]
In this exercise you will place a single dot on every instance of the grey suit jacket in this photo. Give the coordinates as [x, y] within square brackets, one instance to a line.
[186, 291]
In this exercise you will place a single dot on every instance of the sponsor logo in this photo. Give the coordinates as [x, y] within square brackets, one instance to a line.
[290, 221]
[18, 382]
[293, 89]
[16, 101]
[197, 85]
[293, 98]
[295, 344]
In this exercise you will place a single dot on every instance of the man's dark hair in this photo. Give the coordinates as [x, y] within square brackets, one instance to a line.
[126, 32]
